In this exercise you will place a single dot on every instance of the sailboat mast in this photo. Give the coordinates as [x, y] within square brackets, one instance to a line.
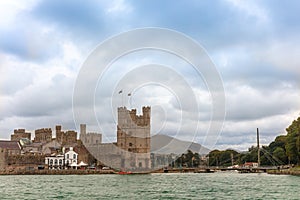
[258, 150]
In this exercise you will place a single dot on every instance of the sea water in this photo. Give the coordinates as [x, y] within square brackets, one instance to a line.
[220, 185]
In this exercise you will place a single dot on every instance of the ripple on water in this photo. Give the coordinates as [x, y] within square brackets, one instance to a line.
[156, 186]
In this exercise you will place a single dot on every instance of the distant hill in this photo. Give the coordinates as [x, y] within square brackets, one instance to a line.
[165, 144]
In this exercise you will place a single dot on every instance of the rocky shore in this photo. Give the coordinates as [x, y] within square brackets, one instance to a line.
[292, 171]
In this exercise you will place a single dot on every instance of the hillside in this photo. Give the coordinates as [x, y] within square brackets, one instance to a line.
[166, 144]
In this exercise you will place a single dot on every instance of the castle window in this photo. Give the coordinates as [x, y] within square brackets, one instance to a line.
[74, 156]
[130, 144]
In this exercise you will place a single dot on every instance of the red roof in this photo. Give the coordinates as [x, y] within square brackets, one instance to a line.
[13, 145]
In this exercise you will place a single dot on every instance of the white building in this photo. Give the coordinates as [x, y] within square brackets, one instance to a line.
[71, 158]
[55, 162]
[66, 160]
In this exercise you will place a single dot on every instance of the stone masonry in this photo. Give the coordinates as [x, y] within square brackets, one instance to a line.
[89, 139]
[65, 138]
[20, 133]
[133, 136]
[43, 135]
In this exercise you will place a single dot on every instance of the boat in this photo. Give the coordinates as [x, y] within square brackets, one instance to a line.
[124, 172]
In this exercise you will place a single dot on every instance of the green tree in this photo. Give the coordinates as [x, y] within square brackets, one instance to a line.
[292, 145]
[280, 154]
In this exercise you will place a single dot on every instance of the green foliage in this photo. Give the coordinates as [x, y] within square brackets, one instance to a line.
[285, 149]
[188, 159]
[223, 158]
[280, 153]
[292, 144]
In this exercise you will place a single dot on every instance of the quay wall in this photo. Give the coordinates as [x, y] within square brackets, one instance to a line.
[55, 172]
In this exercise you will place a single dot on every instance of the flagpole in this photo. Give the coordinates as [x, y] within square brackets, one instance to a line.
[123, 99]
[121, 91]
[128, 96]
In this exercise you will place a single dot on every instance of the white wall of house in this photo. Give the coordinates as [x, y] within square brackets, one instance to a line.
[71, 157]
[55, 162]
[62, 161]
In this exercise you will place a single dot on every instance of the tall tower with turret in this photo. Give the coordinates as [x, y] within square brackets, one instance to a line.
[133, 136]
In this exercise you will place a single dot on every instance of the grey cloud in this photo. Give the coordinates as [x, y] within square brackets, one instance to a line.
[247, 103]
[43, 100]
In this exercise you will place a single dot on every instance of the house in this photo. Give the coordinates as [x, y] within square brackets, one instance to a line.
[52, 147]
[62, 161]
[250, 165]
[55, 162]
[71, 158]
[8, 148]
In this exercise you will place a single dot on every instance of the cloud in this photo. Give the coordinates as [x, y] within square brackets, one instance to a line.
[255, 46]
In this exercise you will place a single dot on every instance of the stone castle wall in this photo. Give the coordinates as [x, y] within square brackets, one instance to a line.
[89, 139]
[2, 158]
[65, 138]
[20, 133]
[43, 135]
[25, 160]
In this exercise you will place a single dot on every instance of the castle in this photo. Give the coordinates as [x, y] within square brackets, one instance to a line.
[132, 149]
[130, 152]
[23, 153]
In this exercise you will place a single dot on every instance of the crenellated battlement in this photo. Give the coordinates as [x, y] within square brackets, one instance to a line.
[43, 135]
[19, 134]
[131, 119]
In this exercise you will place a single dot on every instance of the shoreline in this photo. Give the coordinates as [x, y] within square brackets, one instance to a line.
[56, 172]
[294, 172]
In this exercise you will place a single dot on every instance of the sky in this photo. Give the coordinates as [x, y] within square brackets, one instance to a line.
[253, 45]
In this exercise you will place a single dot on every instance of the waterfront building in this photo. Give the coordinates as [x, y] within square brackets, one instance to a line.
[71, 157]
[55, 162]
[250, 165]
[62, 161]
[8, 148]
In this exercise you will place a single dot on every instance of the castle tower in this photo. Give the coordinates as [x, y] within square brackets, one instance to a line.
[58, 133]
[82, 129]
[43, 135]
[133, 136]
[89, 139]
[82, 134]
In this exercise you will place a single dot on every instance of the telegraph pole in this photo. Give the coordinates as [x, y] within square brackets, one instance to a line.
[258, 150]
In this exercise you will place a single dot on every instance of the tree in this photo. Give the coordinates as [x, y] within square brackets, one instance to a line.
[280, 154]
[292, 145]
[223, 158]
